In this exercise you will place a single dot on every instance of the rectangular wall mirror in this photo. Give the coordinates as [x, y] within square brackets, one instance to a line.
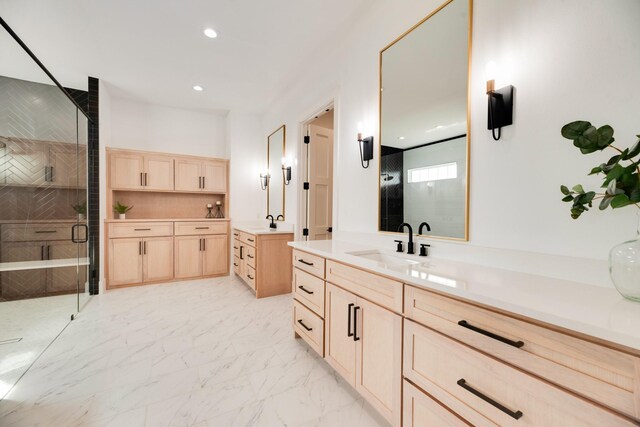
[276, 145]
[424, 125]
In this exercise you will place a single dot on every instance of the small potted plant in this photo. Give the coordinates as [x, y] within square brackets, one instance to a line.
[121, 209]
[81, 210]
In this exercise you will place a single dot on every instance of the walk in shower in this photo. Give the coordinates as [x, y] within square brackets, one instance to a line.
[44, 262]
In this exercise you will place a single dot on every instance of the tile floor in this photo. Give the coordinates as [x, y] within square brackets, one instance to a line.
[201, 353]
[37, 322]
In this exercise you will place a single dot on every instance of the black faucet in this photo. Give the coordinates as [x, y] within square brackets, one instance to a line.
[424, 224]
[410, 250]
[273, 224]
[280, 216]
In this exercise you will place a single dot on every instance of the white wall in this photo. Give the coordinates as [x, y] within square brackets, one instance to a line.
[140, 126]
[568, 60]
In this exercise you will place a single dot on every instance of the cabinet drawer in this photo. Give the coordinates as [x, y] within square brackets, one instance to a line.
[236, 265]
[251, 277]
[489, 391]
[236, 248]
[236, 234]
[199, 228]
[247, 239]
[250, 255]
[309, 326]
[140, 229]
[34, 232]
[420, 410]
[310, 263]
[377, 289]
[309, 290]
[605, 375]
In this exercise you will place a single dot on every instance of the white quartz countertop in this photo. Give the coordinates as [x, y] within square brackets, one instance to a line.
[596, 311]
[261, 230]
[36, 265]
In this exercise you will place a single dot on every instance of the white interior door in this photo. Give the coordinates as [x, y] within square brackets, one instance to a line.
[320, 182]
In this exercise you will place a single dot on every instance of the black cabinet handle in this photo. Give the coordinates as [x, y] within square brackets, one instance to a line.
[249, 276]
[235, 265]
[202, 228]
[42, 253]
[235, 247]
[146, 175]
[141, 180]
[204, 244]
[45, 231]
[250, 256]
[466, 324]
[355, 323]
[241, 247]
[141, 229]
[251, 240]
[305, 326]
[349, 333]
[463, 383]
[204, 181]
[236, 234]
[305, 290]
[48, 252]
[305, 262]
[140, 247]
[144, 248]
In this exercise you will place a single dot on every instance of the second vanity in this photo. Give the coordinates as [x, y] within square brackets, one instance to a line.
[437, 342]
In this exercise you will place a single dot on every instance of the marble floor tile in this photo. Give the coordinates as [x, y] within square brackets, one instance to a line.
[200, 353]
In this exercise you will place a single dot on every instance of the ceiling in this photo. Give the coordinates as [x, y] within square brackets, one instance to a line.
[155, 51]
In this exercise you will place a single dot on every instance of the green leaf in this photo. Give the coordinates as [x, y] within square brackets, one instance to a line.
[575, 129]
[564, 190]
[620, 201]
[578, 189]
[595, 170]
[604, 203]
[575, 213]
[588, 198]
[615, 173]
[605, 136]
[611, 188]
[635, 150]
[568, 198]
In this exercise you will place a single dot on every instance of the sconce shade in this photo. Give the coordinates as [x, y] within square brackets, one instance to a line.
[264, 181]
[286, 174]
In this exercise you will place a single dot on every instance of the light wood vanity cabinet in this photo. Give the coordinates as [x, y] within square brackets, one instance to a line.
[422, 358]
[263, 261]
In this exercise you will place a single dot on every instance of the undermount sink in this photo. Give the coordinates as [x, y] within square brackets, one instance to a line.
[384, 258]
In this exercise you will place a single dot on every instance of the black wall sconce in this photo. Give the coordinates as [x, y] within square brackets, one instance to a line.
[500, 108]
[286, 172]
[366, 150]
[264, 180]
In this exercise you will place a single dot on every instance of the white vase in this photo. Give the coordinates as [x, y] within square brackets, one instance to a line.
[122, 216]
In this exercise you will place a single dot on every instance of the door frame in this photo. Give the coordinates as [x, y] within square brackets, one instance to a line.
[303, 166]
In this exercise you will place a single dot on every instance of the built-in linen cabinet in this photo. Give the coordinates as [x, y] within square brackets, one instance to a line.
[201, 176]
[137, 171]
[263, 261]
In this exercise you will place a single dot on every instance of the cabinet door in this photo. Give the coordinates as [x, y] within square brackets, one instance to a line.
[126, 171]
[159, 172]
[216, 255]
[340, 348]
[26, 163]
[188, 176]
[157, 262]
[66, 279]
[125, 261]
[188, 256]
[379, 359]
[214, 174]
[22, 283]
[63, 164]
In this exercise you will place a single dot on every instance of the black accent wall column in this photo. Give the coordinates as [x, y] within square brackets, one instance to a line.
[93, 186]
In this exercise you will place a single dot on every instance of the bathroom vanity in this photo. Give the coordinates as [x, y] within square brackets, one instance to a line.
[262, 259]
[435, 342]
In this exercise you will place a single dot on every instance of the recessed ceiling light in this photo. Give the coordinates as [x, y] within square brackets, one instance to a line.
[211, 33]
[401, 137]
[198, 88]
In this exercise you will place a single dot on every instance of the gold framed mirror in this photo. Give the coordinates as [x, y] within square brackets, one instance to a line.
[424, 125]
[276, 149]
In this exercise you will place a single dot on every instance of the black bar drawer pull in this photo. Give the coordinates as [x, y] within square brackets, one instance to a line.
[141, 229]
[235, 265]
[45, 231]
[305, 326]
[235, 247]
[349, 333]
[466, 324]
[305, 262]
[305, 290]
[250, 256]
[249, 276]
[355, 324]
[463, 383]
[235, 234]
[251, 240]
[202, 228]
